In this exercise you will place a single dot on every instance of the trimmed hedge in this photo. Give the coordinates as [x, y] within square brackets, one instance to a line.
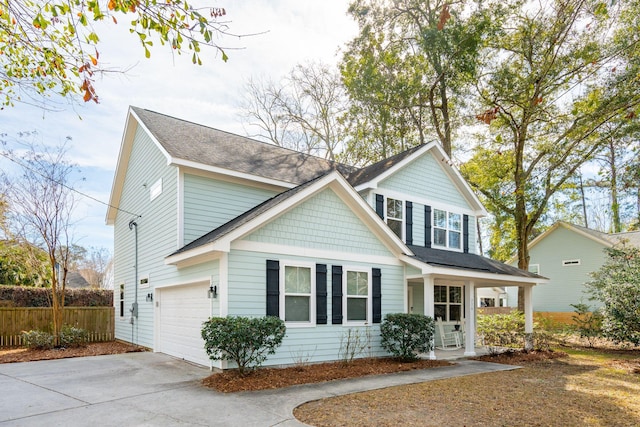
[244, 340]
[405, 335]
[19, 296]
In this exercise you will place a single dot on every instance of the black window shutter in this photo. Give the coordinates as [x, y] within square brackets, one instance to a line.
[273, 288]
[465, 233]
[336, 294]
[321, 294]
[409, 222]
[427, 226]
[376, 300]
[380, 205]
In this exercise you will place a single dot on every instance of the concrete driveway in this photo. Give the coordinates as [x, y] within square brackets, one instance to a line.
[152, 389]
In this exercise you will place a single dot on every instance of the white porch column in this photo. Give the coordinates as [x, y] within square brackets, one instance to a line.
[470, 319]
[429, 309]
[528, 317]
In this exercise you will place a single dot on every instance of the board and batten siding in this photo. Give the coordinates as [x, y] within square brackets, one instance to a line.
[157, 235]
[425, 178]
[566, 285]
[247, 297]
[322, 222]
[209, 203]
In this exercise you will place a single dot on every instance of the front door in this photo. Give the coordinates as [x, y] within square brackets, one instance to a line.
[410, 299]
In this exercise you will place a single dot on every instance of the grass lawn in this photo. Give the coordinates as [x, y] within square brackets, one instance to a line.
[586, 388]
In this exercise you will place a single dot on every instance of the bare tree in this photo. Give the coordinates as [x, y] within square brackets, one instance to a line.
[302, 112]
[94, 266]
[41, 203]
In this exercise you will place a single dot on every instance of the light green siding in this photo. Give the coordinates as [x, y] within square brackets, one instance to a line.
[566, 283]
[425, 178]
[322, 222]
[412, 271]
[209, 203]
[157, 234]
[247, 297]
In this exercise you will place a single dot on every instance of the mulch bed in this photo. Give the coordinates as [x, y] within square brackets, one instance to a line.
[514, 357]
[270, 378]
[92, 349]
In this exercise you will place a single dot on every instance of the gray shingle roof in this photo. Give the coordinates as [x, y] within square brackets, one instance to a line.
[201, 144]
[632, 237]
[449, 259]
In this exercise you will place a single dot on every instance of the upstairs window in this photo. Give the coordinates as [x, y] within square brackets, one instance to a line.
[298, 288]
[394, 215]
[447, 229]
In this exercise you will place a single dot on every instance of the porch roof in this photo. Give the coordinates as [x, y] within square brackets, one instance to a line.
[469, 262]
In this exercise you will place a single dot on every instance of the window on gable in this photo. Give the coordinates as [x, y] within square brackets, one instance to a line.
[447, 229]
[448, 303]
[394, 215]
[298, 288]
[155, 190]
[357, 297]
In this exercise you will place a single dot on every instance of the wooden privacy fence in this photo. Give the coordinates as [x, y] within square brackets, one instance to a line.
[97, 321]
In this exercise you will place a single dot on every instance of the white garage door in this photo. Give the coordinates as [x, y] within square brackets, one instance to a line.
[182, 311]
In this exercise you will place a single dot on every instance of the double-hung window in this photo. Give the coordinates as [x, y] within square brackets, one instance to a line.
[297, 305]
[447, 229]
[394, 215]
[448, 303]
[357, 285]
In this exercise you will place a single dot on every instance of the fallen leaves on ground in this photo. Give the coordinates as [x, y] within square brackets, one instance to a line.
[90, 349]
[633, 366]
[579, 388]
[269, 378]
[515, 357]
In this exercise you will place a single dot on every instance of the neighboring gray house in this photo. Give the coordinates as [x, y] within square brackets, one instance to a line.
[567, 254]
[208, 223]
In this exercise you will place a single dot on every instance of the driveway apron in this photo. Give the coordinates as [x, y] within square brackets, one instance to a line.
[153, 389]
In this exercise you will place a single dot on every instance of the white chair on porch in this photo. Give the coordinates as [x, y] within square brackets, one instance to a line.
[448, 340]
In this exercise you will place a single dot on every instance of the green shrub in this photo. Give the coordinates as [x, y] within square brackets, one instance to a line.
[37, 340]
[19, 296]
[588, 324]
[246, 341]
[70, 336]
[503, 330]
[405, 335]
[617, 285]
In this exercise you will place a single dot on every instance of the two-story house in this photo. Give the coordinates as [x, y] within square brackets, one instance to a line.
[208, 223]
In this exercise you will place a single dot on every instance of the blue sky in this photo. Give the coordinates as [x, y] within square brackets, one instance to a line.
[296, 31]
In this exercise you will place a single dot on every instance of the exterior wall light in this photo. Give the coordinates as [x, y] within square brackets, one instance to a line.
[150, 297]
[213, 292]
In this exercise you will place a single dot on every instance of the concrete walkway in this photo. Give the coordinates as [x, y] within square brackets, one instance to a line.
[152, 389]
